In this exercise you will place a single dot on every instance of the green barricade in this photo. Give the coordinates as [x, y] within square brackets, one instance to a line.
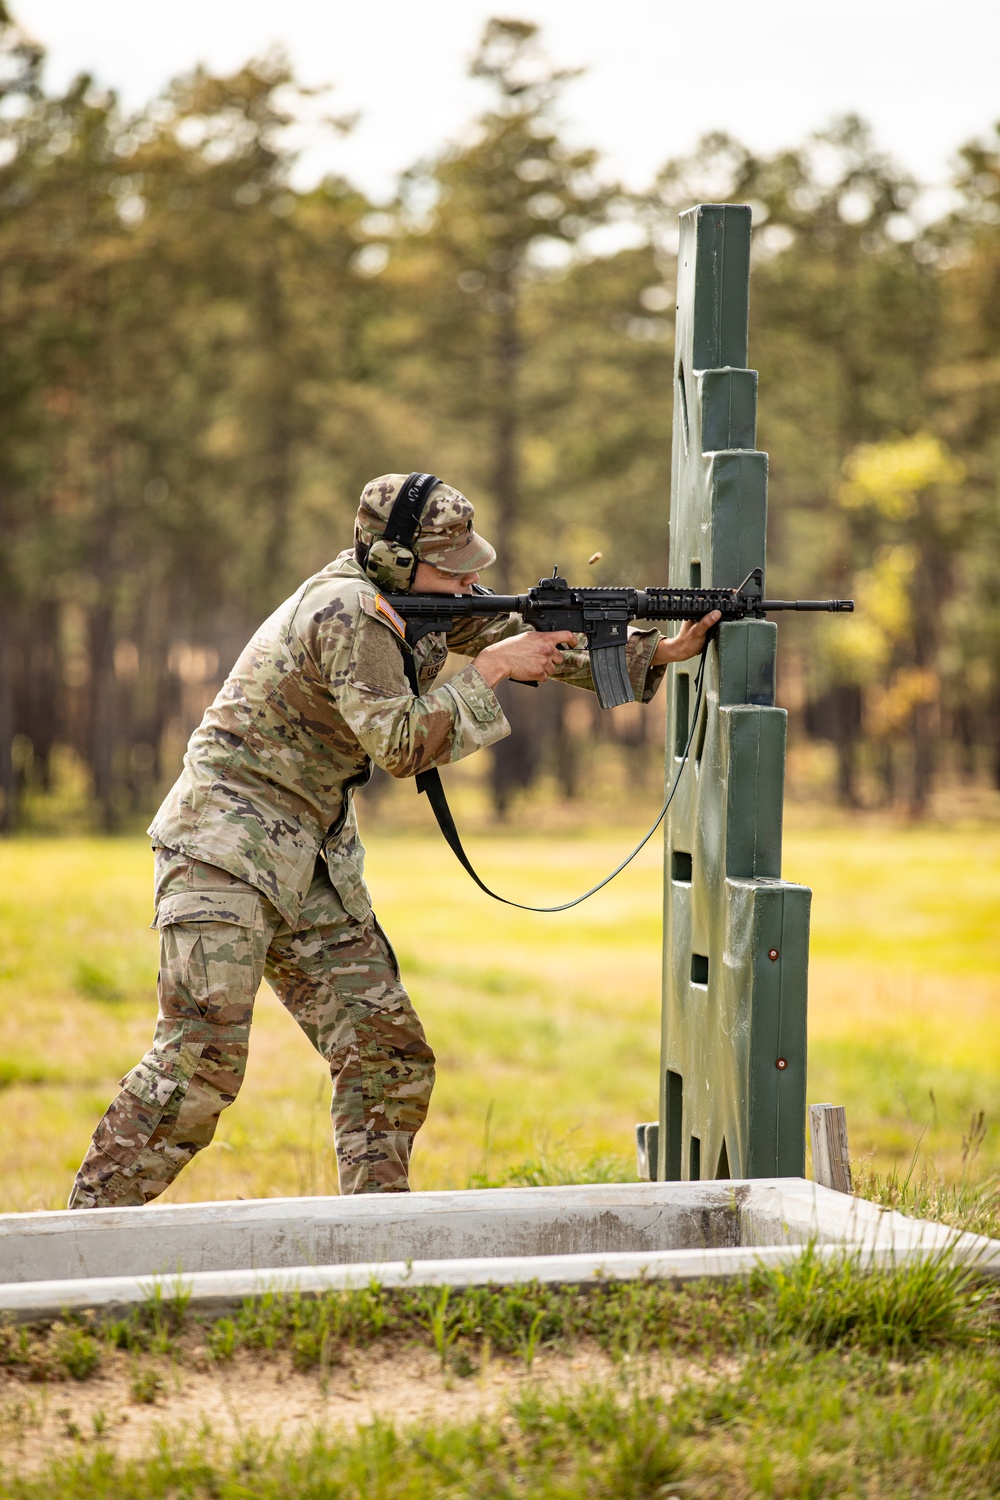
[733, 1060]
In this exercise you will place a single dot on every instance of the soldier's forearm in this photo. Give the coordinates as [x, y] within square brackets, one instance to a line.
[688, 641]
[406, 735]
[492, 666]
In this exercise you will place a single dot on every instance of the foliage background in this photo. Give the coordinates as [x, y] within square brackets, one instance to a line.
[201, 366]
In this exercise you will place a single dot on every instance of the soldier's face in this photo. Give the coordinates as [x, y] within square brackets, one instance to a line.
[430, 580]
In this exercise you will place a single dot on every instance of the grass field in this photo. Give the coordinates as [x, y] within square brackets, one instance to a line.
[815, 1380]
[818, 1381]
[546, 1028]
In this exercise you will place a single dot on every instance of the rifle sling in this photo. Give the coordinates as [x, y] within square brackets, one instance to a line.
[430, 782]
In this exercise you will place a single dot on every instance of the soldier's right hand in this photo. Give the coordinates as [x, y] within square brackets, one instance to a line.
[530, 657]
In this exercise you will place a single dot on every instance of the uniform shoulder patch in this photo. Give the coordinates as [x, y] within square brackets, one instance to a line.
[380, 608]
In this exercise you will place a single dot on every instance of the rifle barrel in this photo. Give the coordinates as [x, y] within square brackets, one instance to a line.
[833, 606]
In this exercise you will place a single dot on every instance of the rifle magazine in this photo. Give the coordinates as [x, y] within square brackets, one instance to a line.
[609, 670]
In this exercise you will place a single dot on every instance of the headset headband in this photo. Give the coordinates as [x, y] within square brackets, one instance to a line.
[404, 518]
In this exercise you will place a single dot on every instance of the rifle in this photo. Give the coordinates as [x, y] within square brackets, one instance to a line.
[602, 614]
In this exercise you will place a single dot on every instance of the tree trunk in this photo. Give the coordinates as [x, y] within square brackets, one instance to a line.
[566, 752]
[514, 760]
[8, 780]
[887, 771]
[929, 582]
[276, 448]
[506, 469]
[923, 758]
[43, 690]
[845, 702]
[102, 736]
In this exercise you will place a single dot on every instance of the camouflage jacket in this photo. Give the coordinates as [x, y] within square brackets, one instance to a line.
[315, 698]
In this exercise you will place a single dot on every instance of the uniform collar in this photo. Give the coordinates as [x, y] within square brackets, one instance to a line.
[346, 565]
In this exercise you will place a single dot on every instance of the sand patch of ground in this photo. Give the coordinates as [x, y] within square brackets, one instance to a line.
[217, 1404]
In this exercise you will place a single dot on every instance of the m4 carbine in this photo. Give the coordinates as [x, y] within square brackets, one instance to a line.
[602, 614]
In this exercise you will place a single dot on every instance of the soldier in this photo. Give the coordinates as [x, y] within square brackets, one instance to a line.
[259, 868]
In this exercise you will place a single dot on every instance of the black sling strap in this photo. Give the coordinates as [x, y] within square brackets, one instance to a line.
[430, 783]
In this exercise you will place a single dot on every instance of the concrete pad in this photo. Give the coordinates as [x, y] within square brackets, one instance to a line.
[220, 1253]
[278, 1232]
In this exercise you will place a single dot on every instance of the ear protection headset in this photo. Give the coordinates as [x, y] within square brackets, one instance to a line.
[390, 560]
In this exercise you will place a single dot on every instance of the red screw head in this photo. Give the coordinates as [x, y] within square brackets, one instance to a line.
[781, 1064]
[773, 954]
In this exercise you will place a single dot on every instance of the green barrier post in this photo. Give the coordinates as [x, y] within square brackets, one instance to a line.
[733, 1060]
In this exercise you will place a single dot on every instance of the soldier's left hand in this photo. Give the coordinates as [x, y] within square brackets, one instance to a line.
[688, 641]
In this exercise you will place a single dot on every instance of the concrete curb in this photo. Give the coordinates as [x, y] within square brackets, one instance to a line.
[215, 1292]
[104, 1259]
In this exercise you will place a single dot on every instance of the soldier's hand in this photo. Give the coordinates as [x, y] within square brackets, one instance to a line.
[530, 657]
[687, 642]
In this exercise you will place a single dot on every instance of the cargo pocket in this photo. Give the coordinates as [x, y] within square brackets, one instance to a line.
[239, 908]
[212, 950]
[135, 1114]
[346, 870]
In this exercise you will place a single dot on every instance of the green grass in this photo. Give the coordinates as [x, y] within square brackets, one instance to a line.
[902, 1310]
[826, 1303]
[785, 1427]
[817, 1380]
[546, 1028]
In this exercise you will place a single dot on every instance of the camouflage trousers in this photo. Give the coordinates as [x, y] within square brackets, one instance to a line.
[337, 976]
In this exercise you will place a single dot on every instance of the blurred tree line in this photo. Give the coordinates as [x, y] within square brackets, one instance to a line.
[202, 364]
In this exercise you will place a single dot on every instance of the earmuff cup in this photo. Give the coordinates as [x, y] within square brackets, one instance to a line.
[390, 566]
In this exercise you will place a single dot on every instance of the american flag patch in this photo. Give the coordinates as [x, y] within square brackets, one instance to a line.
[395, 620]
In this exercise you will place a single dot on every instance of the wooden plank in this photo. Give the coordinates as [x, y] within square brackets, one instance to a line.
[646, 1142]
[831, 1157]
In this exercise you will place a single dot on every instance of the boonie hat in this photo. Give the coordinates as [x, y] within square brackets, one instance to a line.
[444, 538]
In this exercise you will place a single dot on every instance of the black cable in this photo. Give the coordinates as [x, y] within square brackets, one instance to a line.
[430, 782]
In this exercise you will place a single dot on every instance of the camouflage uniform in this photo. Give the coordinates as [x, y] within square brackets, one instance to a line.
[259, 873]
